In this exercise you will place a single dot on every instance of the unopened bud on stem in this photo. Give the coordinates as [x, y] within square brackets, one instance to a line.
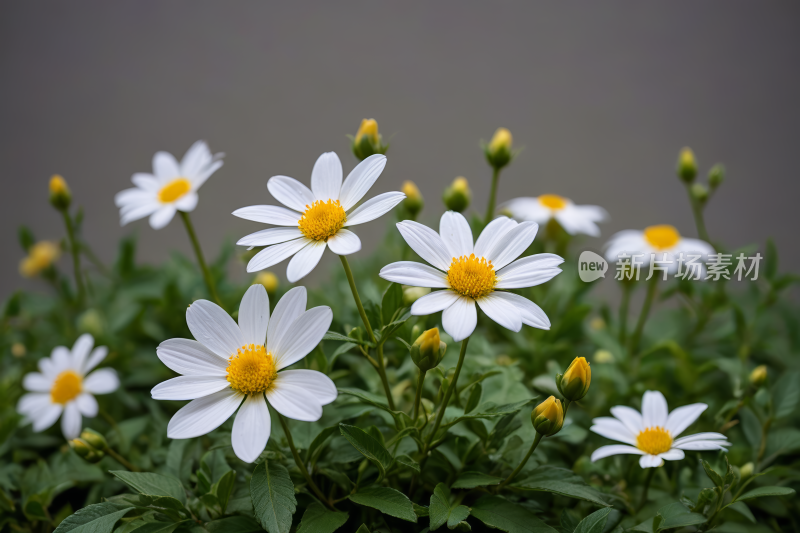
[428, 350]
[574, 383]
[368, 141]
[457, 196]
[687, 166]
[759, 375]
[498, 151]
[413, 202]
[60, 195]
[548, 417]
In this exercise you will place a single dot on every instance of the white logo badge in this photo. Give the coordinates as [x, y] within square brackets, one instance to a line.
[591, 266]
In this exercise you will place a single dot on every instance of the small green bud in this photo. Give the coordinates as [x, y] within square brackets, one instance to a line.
[716, 176]
[457, 196]
[368, 141]
[747, 470]
[60, 195]
[428, 350]
[759, 375]
[498, 151]
[687, 166]
[94, 439]
[548, 417]
[81, 447]
[412, 294]
[413, 202]
[699, 192]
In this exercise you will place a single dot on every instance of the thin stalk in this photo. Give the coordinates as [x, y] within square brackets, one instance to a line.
[76, 256]
[121, 460]
[381, 368]
[200, 259]
[299, 462]
[699, 220]
[453, 386]
[418, 396]
[648, 303]
[522, 463]
[643, 500]
[492, 196]
[623, 312]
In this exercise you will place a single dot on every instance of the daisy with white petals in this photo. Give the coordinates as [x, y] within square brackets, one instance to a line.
[653, 433]
[233, 366]
[474, 273]
[316, 218]
[171, 187]
[665, 243]
[65, 385]
[573, 218]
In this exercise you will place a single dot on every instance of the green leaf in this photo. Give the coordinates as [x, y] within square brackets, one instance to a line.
[151, 484]
[143, 526]
[742, 509]
[223, 488]
[318, 519]
[97, 518]
[560, 481]
[387, 501]
[489, 410]
[676, 515]
[474, 398]
[712, 474]
[369, 447]
[499, 513]
[363, 529]
[761, 492]
[392, 301]
[401, 418]
[441, 512]
[786, 394]
[470, 480]
[338, 337]
[594, 523]
[318, 444]
[272, 492]
[407, 461]
[234, 524]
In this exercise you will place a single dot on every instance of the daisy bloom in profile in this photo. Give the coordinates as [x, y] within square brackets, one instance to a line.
[653, 433]
[474, 273]
[233, 366]
[573, 218]
[171, 187]
[659, 240]
[65, 384]
[316, 218]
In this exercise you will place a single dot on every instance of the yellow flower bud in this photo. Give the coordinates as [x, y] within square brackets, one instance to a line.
[548, 417]
[268, 280]
[60, 195]
[687, 166]
[412, 294]
[759, 375]
[498, 151]
[368, 141]
[18, 349]
[40, 256]
[747, 470]
[81, 447]
[368, 127]
[413, 201]
[428, 350]
[574, 383]
[603, 356]
[94, 439]
[502, 139]
[457, 196]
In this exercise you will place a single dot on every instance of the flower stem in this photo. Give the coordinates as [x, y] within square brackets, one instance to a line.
[522, 463]
[200, 259]
[453, 386]
[76, 256]
[418, 396]
[299, 462]
[121, 460]
[648, 303]
[623, 312]
[381, 368]
[492, 197]
[649, 477]
[699, 220]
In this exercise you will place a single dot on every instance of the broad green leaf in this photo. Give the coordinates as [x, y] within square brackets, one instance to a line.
[338, 337]
[318, 443]
[401, 418]
[594, 523]
[363, 529]
[152, 526]
[761, 492]
[713, 475]
[474, 398]
[318, 519]
[560, 481]
[441, 512]
[387, 501]
[97, 518]
[786, 394]
[470, 480]
[369, 447]
[742, 509]
[223, 488]
[676, 515]
[407, 461]
[272, 491]
[392, 301]
[151, 484]
[499, 513]
[234, 524]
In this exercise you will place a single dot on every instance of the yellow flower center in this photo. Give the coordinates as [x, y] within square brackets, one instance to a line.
[553, 201]
[662, 237]
[654, 440]
[66, 387]
[251, 370]
[471, 276]
[322, 220]
[174, 190]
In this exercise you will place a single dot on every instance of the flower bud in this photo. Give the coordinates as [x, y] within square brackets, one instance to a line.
[268, 280]
[94, 439]
[60, 195]
[91, 321]
[412, 294]
[716, 176]
[368, 141]
[18, 349]
[548, 417]
[603, 356]
[699, 192]
[759, 375]
[81, 447]
[457, 196]
[41, 256]
[574, 383]
[687, 166]
[428, 350]
[747, 470]
[413, 202]
[498, 151]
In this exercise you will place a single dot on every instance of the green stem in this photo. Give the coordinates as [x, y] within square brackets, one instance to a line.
[699, 220]
[200, 259]
[623, 312]
[300, 465]
[418, 396]
[121, 460]
[648, 303]
[650, 473]
[522, 463]
[492, 197]
[76, 256]
[453, 386]
[381, 368]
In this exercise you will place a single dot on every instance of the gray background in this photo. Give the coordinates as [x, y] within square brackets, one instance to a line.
[601, 95]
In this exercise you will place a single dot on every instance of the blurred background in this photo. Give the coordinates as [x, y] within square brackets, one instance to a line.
[601, 97]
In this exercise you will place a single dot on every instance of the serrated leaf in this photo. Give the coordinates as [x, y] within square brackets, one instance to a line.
[151, 484]
[234, 524]
[369, 447]
[499, 513]
[407, 461]
[272, 492]
[387, 501]
[401, 418]
[761, 492]
[560, 481]
[786, 394]
[470, 480]
[97, 518]
[713, 475]
[594, 523]
[441, 512]
[318, 519]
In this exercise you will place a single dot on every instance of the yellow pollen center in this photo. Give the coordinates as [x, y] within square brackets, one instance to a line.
[251, 370]
[654, 440]
[471, 276]
[553, 201]
[174, 190]
[662, 237]
[66, 387]
[322, 220]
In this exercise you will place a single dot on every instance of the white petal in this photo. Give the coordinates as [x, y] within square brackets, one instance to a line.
[254, 315]
[614, 449]
[287, 311]
[672, 455]
[197, 156]
[696, 246]
[294, 402]
[62, 359]
[630, 417]
[80, 350]
[47, 367]
[529, 271]
[290, 192]
[360, 180]
[613, 429]
[46, 416]
[650, 461]
[71, 421]
[191, 358]
[434, 302]
[162, 217]
[251, 428]
[683, 417]
[491, 234]
[146, 182]
[374, 208]
[502, 310]
[204, 415]
[102, 381]
[303, 336]
[456, 234]
[326, 177]
[87, 405]
[512, 244]
[269, 236]
[702, 445]
[414, 274]
[201, 178]
[97, 357]
[427, 243]
[459, 320]
[316, 383]
[304, 261]
[188, 387]
[33, 402]
[269, 214]
[141, 211]
[710, 436]
[527, 209]
[654, 409]
[165, 167]
[532, 314]
[345, 242]
[36, 382]
[187, 202]
[273, 255]
[214, 328]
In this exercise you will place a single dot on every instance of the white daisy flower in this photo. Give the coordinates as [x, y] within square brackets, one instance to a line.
[653, 432]
[659, 240]
[476, 273]
[66, 384]
[316, 217]
[238, 365]
[573, 218]
[171, 187]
